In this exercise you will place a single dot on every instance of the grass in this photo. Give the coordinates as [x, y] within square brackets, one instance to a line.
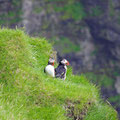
[27, 93]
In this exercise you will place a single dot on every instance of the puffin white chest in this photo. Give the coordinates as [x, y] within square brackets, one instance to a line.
[49, 69]
[65, 67]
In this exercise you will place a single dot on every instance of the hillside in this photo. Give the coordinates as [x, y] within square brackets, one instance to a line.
[86, 32]
[27, 93]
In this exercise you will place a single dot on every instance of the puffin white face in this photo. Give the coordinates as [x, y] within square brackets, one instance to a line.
[51, 61]
[65, 62]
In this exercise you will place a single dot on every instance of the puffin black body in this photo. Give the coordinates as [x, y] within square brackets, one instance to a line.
[60, 71]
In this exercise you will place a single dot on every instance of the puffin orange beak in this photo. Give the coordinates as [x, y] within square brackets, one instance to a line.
[68, 63]
[53, 64]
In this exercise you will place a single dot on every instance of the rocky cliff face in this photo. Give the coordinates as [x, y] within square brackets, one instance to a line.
[105, 28]
[85, 32]
[97, 34]
[10, 13]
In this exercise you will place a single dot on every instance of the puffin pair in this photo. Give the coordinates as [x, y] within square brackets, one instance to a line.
[60, 71]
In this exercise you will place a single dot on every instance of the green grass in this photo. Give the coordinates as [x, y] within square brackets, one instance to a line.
[27, 93]
[101, 113]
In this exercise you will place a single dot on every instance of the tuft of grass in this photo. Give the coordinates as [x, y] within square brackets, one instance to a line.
[100, 112]
[27, 93]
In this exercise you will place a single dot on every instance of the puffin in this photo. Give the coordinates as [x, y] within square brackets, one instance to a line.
[60, 71]
[49, 69]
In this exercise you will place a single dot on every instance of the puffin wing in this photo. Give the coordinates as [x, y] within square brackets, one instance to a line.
[60, 72]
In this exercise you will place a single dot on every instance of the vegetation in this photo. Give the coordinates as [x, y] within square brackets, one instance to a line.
[72, 10]
[12, 15]
[111, 9]
[64, 45]
[96, 11]
[104, 80]
[26, 92]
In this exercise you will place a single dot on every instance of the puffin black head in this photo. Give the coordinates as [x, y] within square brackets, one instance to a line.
[64, 62]
[51, 62]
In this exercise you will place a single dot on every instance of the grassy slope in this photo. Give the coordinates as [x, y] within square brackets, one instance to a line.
[26, 93]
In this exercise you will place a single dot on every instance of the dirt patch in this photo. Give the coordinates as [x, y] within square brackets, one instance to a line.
[75, 112]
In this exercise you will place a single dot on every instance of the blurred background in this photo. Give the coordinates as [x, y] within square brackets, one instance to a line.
[85, 32]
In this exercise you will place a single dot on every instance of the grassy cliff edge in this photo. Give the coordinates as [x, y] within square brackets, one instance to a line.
[26, 93]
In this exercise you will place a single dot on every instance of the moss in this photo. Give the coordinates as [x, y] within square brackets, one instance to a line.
[115, 98]
[71, 10]
[96, 11]
[119, 18]
[45, 25]
[13, 16]
[65, 45]
[111, 8]
[37, 10]
[100, 79]
[95, 52]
